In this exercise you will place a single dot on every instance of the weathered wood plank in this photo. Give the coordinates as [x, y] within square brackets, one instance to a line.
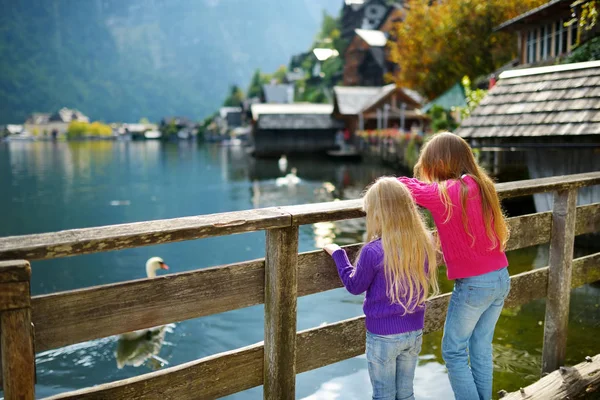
[585, 270]
[14, 296]
[588, 219]
[529, 230]
[18, 361]
[15, 271]
[559, 280]
[576, 382]
[281, 290]
[211, 377]
[116, 237]
[555, 183]
[227, 373]
[79, 315]
[329, 211]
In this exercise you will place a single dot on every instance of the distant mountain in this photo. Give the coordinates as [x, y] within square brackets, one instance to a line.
[120, 60]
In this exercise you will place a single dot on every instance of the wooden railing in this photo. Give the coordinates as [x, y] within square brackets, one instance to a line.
[59, 319]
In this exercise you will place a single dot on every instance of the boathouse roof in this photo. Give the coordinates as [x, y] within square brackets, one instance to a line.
[298, 122]
[557, 100]
[549, 9]
[294, 108]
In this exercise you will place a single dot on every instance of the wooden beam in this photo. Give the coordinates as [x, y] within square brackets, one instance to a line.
[231, 372]
[75, 316]
[116, 237]
[281, 290]
[16, 342]
[579, 381]
[551, 184]
[559, 280]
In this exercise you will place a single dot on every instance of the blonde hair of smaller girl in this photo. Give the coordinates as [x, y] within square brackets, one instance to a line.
[447, 156]
[407, 244]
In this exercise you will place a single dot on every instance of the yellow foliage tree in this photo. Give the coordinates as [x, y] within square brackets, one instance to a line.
[77, 129]
[99, 129]
[436, 45]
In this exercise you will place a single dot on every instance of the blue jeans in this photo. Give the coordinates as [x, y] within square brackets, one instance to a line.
[474, 309]
[392, 361]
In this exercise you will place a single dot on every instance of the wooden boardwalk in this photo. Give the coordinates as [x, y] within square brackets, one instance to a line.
[38, 323]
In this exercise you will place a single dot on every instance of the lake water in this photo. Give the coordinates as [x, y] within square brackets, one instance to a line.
[53, 186]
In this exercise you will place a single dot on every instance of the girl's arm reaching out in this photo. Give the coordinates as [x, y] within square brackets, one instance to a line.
[425, 194]
[355, 279]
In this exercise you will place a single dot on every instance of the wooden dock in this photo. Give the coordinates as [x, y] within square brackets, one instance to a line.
[35, 324]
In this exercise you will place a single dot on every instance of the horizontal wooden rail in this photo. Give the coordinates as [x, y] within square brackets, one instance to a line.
[76, 316]
[230, 372]
[116, 237]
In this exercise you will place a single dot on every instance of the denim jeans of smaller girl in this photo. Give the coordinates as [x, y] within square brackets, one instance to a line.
[392, 361]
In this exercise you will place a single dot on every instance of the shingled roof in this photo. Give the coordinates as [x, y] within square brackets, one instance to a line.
[548, 101]
[298, 121]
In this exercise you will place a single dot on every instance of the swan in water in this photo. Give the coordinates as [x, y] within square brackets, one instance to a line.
[283, 163]
[289, 180]
[152, 265]
[134, 348]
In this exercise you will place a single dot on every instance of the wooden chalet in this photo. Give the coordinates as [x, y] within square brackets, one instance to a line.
[551, 115]
[366, 57]
[542, 36]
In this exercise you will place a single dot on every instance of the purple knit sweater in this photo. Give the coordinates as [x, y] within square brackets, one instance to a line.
[383, 318]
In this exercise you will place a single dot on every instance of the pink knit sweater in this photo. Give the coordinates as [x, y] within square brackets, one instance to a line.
[463, 257]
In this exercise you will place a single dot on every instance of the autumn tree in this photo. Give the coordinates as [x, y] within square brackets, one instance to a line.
[436, 45]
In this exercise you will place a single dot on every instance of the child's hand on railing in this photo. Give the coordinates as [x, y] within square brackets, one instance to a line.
[331, 248]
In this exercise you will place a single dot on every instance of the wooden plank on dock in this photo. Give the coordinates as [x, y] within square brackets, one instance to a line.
[577, 382]
[227, 373]
[116, 237]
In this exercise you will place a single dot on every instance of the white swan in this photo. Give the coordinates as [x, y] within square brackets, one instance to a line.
[283, 163]
[152, 265]
[289, 180]
[134, 348]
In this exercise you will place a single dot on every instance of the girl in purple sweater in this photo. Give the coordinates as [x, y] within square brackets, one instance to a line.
[397, 268]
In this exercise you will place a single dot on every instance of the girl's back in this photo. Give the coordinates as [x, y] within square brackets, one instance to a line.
[467, 252]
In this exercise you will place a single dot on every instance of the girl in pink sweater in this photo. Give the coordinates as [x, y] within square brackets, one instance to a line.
[473, 233]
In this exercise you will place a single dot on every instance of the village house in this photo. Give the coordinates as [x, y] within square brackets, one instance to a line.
[548, 118]
[366, 57]
[370, 108]
[55, 124]
[542, 36]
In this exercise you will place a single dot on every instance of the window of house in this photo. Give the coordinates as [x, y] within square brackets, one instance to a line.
[558, 28]
[531, 46]
[564, 41]
[548, 40]
[573, 34]
[543, 48]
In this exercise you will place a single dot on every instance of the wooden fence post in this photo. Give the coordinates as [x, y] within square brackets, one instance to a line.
[16, 339]
[559, 280]
[281, 290]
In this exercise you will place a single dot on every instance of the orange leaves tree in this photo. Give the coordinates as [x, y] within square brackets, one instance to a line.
[441, 41]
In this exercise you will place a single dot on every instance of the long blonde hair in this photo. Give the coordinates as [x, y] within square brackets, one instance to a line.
[448, 156]
[407, 245]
